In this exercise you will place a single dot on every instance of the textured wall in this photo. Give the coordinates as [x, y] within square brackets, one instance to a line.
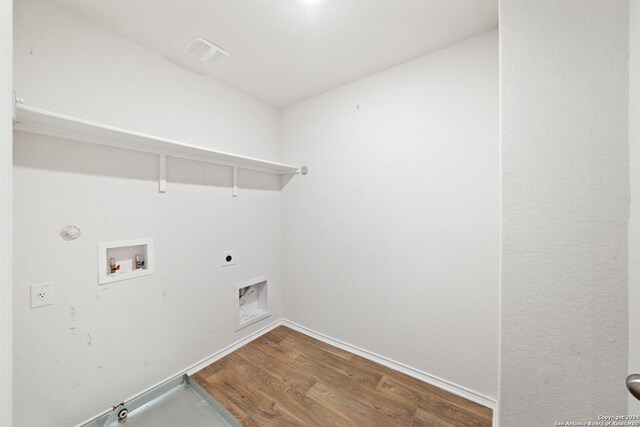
[391, 241]
[565, 201]
[6, 147]
[634, 220]
[101, 344]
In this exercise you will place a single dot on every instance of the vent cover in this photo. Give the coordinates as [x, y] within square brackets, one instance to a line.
[206, 51]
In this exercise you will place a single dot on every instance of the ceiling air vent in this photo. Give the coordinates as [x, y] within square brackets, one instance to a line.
[206, 51]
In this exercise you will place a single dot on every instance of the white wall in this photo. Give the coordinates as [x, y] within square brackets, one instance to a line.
[68, 65]
[6, 148]
[634, 220]
[391, 241]
[99, 345]
[565, 199]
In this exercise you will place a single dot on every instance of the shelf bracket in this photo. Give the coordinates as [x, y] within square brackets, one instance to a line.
[16, 100]
[162, 173]
[235, 181]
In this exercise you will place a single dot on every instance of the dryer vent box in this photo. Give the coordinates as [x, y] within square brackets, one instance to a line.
[206, 51]
[251, 302]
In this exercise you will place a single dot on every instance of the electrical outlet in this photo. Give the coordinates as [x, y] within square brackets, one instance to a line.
[41, 294]
[228, 258]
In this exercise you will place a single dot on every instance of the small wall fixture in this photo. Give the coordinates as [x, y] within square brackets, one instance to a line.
[70, 232]
[206, 51]
[125, 259]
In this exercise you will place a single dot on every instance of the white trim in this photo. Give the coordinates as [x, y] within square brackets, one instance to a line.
[496, 410]
[389, 363]
[6, 175]
[42, 122]
[449, 386]
[233, 347]
[198, 365]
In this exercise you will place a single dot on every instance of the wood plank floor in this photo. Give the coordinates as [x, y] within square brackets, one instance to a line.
[285, 378]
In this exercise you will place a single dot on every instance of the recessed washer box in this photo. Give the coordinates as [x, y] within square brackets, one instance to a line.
[125, 259]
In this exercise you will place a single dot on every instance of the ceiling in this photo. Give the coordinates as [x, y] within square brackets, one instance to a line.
[284, 51]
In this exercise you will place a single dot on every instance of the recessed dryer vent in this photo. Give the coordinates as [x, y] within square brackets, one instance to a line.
[251, 302]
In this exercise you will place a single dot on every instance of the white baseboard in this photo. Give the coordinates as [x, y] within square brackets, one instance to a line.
[449, 386]
[389, 363]
[200, 364]
[231, 348]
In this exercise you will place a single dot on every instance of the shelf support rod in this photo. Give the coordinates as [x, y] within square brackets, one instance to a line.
[235, 181]
[162, 179]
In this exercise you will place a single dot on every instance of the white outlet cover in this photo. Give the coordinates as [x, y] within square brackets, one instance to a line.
[41, 294]
[225, 258]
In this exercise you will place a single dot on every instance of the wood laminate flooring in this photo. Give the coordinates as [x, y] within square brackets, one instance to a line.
[286, 378]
